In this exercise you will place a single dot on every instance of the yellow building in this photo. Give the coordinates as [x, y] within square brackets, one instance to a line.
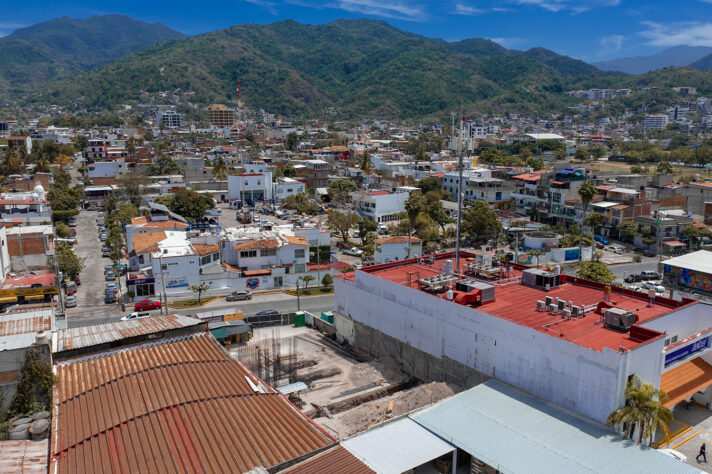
[221, 117]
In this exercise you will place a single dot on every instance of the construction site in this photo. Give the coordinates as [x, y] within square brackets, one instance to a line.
[343, 392]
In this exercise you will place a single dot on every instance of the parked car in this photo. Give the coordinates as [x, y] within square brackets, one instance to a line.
[147, 305]
[633, 278]
[70, 288]
[102, 237]
[106, 252]
[136, 315]
[382, 227]
[341, 245]
[71, 301]
[111, 286]
[649, 285]
[267, 312]
[77, 280]
[109, 297]
[615, 249]
[72, 222]
[354, 251]
[603, 240]
[110, 276]
[636, 288]
[239, 295]
[650, 275]
[108, 268]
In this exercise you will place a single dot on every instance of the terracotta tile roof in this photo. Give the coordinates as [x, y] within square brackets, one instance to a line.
[139, 220]
[685, 380]
[265, 271]
[204, 249]
[336, 459]
[181, 406]
[146, 243]
[397, 239]
[262, 244]
[165, 225]
[231, 268]
[296, 240]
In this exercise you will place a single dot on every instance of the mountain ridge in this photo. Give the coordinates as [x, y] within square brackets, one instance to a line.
[676, 56]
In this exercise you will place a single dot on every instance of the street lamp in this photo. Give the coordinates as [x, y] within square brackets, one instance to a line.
[298, 304]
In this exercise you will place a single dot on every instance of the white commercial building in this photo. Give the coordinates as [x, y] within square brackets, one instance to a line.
[656, 122]
[250, 187]
[381, 206]
[574, 342]
[479, 185]
[284, 187]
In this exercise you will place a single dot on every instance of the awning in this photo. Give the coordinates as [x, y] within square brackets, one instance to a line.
[218, 333]
[685, 380]
[34, 297]
[264, 271]
[674, 243]
[8, 299]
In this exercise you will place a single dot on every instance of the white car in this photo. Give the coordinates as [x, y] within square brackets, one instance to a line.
[354, 251]
[71, 301]
[636, 288]
[649, 285]
[135, 315]
[674, 454]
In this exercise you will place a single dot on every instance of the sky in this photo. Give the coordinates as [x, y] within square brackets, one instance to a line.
[592, 30]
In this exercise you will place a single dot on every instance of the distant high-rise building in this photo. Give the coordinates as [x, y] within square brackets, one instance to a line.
[168, 119]
[656, 121]
[220, 116]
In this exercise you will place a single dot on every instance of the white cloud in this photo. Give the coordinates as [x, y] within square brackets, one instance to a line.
[271, 7]
[690, 33]
[386, 9]
[611, 44]
[574, 6]
[462, 9]
[510, 42]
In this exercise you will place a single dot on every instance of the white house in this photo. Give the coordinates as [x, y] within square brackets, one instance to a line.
[284, 187]
[391, 249]
[250, 187]
[381, 206]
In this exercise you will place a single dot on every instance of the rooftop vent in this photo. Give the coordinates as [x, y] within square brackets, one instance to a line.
[540, 279]
[620, 319]
[469, 285]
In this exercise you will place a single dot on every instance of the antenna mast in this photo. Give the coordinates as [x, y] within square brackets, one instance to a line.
[459, 193]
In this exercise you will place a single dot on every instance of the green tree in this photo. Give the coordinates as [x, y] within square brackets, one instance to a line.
[148, 136]
[11, 162]
[288, 170]
[62, 178]
[595, 271]
[535, 164]
[627, 231]
[306, 279]
[131, 187]
[434, 208]
[34, 390]
[67, 261]
[586, 192]
[204, 286]
[480, 221]
[643, 408]
[414, 205]
[300, 202]
[341, 222]
[292, 141]
[125, 212]
[365, 227]
[664, 167]
[339, 190]
[164, 165]
[64, 202]
[80, 142]
[365, 163]
[62, 230]
[327, 280]
[220, 169]
[190, 204]
[582, 154]
[637, 170]
[429, 183]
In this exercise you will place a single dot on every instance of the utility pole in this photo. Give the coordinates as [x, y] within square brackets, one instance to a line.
[459, 198]
[299, 307]
[163, 283]
[59, 285]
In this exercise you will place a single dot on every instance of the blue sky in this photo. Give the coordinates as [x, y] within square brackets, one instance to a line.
[591, 30]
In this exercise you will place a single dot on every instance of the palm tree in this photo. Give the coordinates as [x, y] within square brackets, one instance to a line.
[220, 169]
[587, 192]
[11, 162]
[414, 205]
[643, 408]
[366, 164]
[42, 164]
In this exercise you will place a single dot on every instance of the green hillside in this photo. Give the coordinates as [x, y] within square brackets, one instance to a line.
[359, 67]
[65, 46]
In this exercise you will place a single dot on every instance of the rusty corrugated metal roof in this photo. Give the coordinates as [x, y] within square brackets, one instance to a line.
[24, 457]
[85, 336]
[177, 406]
[335, 459]
[23, 323]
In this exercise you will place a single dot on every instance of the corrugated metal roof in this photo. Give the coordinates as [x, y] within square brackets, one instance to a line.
[397, 446]
[176, 406]
[700, 261]
[336, 459]
[85, 336]
[22, 323]
[24, 457]
[515, 432]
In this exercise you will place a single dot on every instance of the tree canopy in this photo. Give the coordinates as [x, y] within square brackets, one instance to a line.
[480, 221]
[339, 190]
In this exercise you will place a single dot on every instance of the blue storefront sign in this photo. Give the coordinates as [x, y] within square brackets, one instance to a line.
[140, 281]
[689, 349]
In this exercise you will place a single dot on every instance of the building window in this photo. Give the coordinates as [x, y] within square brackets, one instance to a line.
[140, 259]
[164, 267]
[248, 253]
[216, 256]
[299, 268]
[299, 253]
[670, 340]
[268, 253]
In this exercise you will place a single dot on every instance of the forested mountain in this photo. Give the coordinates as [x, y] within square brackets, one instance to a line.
[65, 46]
[670, 57]
[359, 67]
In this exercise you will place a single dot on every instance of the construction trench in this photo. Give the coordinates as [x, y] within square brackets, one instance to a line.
[347, 393]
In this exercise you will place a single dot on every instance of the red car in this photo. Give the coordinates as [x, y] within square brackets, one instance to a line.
[147, 305]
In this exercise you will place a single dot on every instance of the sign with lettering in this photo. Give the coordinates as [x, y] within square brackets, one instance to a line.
[687, 350]
[40, 290]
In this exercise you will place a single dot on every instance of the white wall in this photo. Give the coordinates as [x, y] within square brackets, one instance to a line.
[392, 252]
[573, 376]
[257, 183]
